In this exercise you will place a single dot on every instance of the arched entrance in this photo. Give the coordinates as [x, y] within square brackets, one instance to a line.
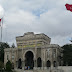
[48, 63]
[39, 62]
[54, 64]
[29, 62]
[20, 64]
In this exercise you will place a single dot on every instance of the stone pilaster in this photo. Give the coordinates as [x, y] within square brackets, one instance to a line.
[35, 63]
[22, 64]
[16, 64]
[51, 64]
[52, 59]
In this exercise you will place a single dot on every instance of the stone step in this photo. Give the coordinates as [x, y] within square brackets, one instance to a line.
[54, 70]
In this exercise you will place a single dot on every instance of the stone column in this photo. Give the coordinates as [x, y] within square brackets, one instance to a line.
[42, 58]
[42, 64]
[35, 57]
[35, 64]
[57, 63]
[22, 64]
[52, 59]
[51, 64]
[16, 64]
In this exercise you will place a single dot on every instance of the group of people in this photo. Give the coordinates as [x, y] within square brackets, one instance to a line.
[27, 67]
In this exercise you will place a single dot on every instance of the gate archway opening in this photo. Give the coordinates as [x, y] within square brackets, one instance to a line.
[48, 63]
[39, 62]
[20, 64]
[29, 62]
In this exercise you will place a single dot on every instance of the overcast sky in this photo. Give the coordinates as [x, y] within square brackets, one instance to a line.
[38, 16]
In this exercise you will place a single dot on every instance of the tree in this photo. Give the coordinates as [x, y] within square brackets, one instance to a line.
[67, 54]
[2, 47]
[8, 66]
[13, 45]
[1, 65]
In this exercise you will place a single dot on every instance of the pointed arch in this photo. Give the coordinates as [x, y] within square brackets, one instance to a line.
[20, 64]
[48, 64]
[54, 64]
[39, 62]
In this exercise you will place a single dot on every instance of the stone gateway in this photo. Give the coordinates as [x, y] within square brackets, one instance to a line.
[33, 51]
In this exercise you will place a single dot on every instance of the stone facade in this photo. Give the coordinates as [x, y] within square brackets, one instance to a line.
[33, 51]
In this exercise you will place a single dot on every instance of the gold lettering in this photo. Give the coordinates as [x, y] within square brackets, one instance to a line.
[29, 46]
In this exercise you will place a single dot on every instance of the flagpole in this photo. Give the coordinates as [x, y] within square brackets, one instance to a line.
[1, 33]
[1, 29]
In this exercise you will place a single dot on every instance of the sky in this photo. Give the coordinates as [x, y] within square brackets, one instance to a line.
[39, 16]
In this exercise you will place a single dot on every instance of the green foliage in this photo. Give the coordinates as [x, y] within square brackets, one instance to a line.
[67, 55]
[1, 65]
[13, 45]
[8, 66]
[2, 47]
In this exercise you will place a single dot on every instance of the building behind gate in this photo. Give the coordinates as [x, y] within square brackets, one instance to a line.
[33, 51]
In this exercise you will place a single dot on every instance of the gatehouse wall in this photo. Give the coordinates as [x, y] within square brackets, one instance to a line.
[44, 53]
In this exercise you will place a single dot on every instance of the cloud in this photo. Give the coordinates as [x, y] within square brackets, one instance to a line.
[1, 12]
[20, 17]
[39, 16]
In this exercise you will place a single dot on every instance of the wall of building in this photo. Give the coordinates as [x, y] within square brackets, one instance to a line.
[38, 44]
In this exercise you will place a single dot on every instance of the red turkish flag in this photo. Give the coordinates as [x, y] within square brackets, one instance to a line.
[69, 7]
[0, 22]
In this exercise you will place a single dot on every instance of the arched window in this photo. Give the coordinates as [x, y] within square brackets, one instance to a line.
[20, 64]
[48, 64]
[39, 62]
[54, 64]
